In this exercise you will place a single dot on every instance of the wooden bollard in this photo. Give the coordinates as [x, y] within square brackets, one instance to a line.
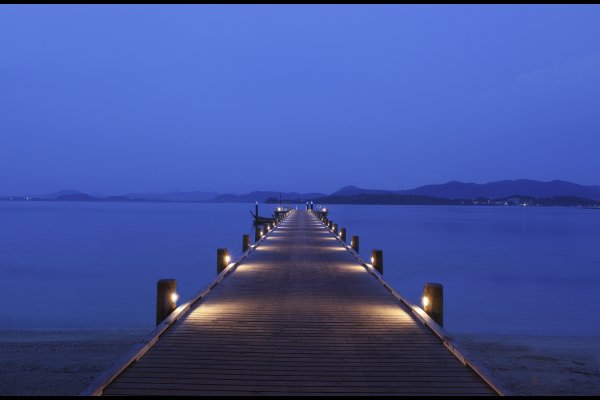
[257, 234]
[166, 298]
[256, 214]
[223, 259]
[343, 234]
[377, 260]
[433, 302]
[245, 243]
[335, 229]
[354, 243]
[330, 224]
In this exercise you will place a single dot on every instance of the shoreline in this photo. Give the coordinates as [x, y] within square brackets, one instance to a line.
[533, 365]
[65, 362]
[59, 362]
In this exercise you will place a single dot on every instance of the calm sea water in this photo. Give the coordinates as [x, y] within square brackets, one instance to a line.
[520, 270]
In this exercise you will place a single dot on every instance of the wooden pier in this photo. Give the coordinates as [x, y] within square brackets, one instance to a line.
[299, 314]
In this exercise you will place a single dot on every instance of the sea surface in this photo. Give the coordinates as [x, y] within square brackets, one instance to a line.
[505, 270]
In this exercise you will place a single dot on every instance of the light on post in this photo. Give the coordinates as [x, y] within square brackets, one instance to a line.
[433, 302]
[166, 297]
[223, 259]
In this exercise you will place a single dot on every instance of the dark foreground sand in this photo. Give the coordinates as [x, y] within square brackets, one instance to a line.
[65, 362]
[539, 365]
[58, 362]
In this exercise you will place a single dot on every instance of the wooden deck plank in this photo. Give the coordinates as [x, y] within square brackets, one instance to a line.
[401, 373]
[299, 315]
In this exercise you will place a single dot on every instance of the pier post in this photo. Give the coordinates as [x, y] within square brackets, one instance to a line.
[433, 302]
[330, 224]
[343, 234]
[166, 298]
[354, 243]
[223, 259]
[257, 232]
[256, 215]
[377, 260]
[245, 243]
[335, 229]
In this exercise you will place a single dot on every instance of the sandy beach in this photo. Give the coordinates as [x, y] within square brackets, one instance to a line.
[37, 362]
[65, 362]
[539, 365]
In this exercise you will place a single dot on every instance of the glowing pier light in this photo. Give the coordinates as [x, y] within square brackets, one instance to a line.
[223, 259]
[433, 302]
[166, 292]
[377, 260]
[354, 242]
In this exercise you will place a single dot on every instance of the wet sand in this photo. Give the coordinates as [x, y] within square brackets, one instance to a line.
[58, 362]
[66, 362]
[539, 365]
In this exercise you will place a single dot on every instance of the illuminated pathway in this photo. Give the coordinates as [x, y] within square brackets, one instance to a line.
[299, 315]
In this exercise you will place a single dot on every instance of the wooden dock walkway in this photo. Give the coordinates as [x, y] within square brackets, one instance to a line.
[299, 315]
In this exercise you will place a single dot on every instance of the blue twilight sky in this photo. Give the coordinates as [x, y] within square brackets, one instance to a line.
[117, 99]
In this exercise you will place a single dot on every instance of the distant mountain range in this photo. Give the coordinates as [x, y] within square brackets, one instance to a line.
[491, 190]
[448, 193]
[171, 197]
